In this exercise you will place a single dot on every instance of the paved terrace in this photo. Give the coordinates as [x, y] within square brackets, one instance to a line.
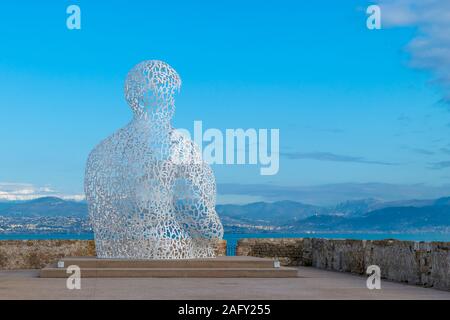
[311, 284]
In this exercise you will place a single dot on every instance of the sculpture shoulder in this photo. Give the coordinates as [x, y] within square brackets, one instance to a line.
[109, 146]
[183, 149]
[188, 157]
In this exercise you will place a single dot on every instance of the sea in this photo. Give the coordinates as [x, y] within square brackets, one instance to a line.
[233, 238]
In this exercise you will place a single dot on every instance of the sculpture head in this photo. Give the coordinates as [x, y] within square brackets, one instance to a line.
[150, 90]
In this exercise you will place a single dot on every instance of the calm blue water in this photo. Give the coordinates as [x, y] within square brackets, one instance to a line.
[233, 238]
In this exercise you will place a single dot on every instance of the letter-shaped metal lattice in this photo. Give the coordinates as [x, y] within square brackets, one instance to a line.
[150, 195]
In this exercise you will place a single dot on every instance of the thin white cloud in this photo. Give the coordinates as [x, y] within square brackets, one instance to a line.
[332, 194]
[26, 191]
[328, 156]
[430, 49]
[240, 199]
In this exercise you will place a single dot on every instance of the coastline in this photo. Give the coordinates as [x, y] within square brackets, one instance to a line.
[232, 238]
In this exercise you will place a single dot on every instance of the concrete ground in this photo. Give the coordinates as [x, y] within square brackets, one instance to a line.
[311, 284]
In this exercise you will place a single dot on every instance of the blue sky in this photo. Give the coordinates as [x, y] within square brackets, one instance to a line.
[351, 105]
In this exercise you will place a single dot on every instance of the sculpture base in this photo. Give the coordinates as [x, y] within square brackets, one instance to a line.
[221, 267]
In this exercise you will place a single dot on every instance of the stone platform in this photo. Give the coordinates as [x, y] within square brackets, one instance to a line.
[221, 267]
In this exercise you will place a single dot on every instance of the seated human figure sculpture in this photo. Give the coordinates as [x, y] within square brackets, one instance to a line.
[149, 193]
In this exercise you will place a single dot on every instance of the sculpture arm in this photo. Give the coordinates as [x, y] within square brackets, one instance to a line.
[195, 199]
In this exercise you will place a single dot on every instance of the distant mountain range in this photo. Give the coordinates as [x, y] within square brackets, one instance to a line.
[268, 213]
[359, 215]
[44, 207]
[426, 218]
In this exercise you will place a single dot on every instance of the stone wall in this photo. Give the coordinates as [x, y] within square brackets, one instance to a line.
[221, 248]
[291, 252]
[419, 263]
[426, 264]
[35, 254]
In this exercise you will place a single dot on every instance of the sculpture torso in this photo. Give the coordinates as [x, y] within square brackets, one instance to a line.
[150, 195]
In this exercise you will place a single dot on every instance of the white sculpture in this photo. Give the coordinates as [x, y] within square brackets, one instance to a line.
[150, 195]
